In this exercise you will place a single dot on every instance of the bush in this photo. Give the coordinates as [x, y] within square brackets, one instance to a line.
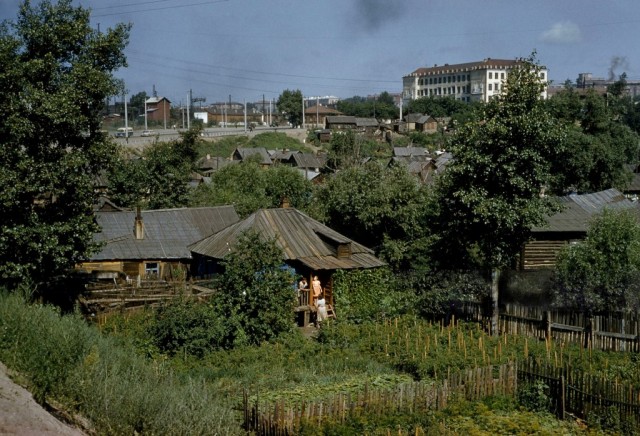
[187, 327]
[534, 396]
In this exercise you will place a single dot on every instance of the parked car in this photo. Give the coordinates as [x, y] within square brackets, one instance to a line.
[148, 133]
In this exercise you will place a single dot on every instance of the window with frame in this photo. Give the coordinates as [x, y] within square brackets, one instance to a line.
[490, 87]
[490, 75]
[152, 270]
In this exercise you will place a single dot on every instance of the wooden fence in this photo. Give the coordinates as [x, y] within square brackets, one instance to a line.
[283, 418]
[573, 392]
[617, 331]
[101, 299]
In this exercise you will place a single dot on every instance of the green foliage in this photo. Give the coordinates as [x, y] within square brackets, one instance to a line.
[534, 396]
[188, 327]
[290, 105]
[222, 147]
[249, 187]
[367, 295]
[256, 293]
[598, 146]
[441, 294]
[489, 197]
[276, 140]
[159, 178]
[57, 72]
[104, 379]
[601, 273]
[384, 208]
[379, 107]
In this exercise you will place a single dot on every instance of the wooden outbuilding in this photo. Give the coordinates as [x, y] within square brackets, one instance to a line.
[308, 246]
[568, 226]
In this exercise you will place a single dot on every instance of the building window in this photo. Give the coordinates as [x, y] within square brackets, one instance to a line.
[490, 88]
[502, 76]
[152, 270]
[490, 75]
[542, 76]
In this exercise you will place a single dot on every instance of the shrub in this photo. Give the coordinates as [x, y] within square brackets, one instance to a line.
[534, 396]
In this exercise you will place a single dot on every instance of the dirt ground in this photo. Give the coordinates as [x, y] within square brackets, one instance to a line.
[21, 415]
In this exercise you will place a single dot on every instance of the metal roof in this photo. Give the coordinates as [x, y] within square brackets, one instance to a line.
[299, 236]
[242, 153]
[577, 210]
[167, 232]
[410, 151]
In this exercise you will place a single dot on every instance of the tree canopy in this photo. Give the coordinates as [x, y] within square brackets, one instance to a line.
[491, 193]
[57, 72]
[601, 273]
[249, 187]
[290, 105]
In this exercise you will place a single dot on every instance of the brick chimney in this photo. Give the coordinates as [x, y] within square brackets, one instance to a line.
[139, 224]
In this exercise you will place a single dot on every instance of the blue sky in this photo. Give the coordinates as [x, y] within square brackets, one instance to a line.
[251, 48]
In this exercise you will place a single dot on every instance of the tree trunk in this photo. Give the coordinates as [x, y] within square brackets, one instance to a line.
[495, 310]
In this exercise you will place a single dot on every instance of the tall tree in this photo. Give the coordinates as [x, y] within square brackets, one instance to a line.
[290, 105]
[601, 272]
[490, 195]
[56, 73]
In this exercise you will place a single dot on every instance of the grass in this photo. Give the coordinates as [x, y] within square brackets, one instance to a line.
[224, 146]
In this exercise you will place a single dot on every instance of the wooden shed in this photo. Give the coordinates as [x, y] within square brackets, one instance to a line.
[568, 226]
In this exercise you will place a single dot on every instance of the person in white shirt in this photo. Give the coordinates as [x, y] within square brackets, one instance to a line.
[321, 305]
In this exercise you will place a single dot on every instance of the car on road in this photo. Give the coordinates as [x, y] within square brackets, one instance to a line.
[148, 133]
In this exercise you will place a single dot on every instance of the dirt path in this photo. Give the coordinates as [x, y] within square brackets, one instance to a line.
[21, 415]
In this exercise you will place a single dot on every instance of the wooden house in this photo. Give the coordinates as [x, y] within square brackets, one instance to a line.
[154, 243]
[308, 246]
[259, 153]
[568, 226]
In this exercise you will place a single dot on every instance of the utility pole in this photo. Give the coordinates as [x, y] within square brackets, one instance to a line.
[188, 105]
[126, 118]
[302, 110]
[317, 111]
[145, 113]
[245, 115]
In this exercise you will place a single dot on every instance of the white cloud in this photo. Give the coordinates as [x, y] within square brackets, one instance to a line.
[564, 32]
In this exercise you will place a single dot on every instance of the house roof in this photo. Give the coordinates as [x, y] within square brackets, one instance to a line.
[321, 110]
[341, 119]
[155, 100]
[409, 151]
[366, 122]
[242, 153]
[578, 210]
[309, 160]
[300, 237]
[167, 232]
[413, 118]
[469, 66]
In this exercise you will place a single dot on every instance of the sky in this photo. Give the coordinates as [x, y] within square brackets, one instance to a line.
[255, 49]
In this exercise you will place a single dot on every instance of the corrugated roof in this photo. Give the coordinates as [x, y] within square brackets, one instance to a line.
[167, 232]
[309, 160]
[341, 119]
[299, 236]
[242, 153]
[366, 122]
[410, 151]
[577, 210]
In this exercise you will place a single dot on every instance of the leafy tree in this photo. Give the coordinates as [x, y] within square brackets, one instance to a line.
[249, 187]
[256, 293]
[383, 208]
[160, 178]
[601, 273]
[56, 73]
[381, 106]
[290, 105]
[490, 195]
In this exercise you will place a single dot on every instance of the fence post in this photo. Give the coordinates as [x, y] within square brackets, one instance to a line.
[561, 400]
[588, 333]
[546, 322]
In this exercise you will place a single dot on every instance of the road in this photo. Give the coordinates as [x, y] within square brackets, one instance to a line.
[138, 141]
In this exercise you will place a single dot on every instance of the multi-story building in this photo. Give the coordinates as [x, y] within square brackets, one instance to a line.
[473, 81]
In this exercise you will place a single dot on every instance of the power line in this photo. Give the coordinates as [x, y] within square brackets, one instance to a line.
[161, 8]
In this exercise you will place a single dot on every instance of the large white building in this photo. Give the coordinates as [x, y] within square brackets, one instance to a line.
[473, 81]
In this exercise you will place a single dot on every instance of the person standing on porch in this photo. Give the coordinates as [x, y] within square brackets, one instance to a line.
[303, 288]
[316, 286]
[321, 306]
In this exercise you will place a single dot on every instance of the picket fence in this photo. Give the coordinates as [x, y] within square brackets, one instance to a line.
[571, 392]
[284, 418]
[616, 331]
